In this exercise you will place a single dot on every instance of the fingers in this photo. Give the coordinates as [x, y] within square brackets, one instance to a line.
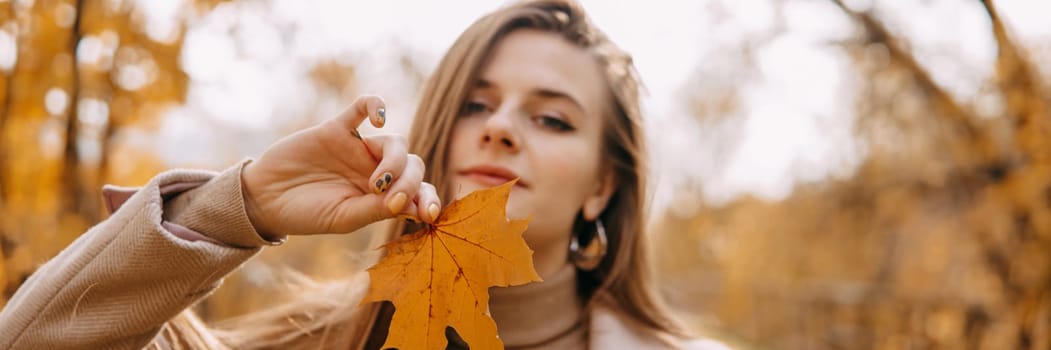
[428, 205]
[405, 187]
[366, 106]
[398, 178]
[425, 204]
[351, 215]
[411, 197]
[395, 155]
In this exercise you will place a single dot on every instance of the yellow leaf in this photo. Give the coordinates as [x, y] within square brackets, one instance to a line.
[440, 276]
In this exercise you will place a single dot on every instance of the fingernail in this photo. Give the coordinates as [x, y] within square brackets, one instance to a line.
[433, 210]
[383, 183]
[409, 218]
[396, 202]
[381, 116]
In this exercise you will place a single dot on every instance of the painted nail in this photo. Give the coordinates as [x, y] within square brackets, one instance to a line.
[396, 202]
[433, 210]
[381, 116]
[383, 183]
[409, 218]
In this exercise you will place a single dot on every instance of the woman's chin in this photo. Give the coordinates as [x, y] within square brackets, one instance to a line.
[461, 189]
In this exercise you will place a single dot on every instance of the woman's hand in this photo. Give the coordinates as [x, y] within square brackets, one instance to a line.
[326, 180]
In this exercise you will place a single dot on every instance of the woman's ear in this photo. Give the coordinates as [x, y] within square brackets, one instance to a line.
[598, 200]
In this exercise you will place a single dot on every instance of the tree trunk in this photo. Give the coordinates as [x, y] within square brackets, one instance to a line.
[84, 201]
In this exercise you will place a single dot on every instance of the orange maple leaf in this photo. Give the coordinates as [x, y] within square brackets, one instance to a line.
[440, 276]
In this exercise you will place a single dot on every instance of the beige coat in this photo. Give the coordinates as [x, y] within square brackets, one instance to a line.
[118, 285]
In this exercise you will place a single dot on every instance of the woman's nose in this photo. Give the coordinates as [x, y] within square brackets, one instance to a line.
[500, 131]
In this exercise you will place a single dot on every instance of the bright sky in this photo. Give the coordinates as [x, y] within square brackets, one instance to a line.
[248, 61]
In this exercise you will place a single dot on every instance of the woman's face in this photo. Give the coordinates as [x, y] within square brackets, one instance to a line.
[536, 115]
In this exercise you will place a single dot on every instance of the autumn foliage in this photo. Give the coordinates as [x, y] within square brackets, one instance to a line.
[440, 276]
[940, 238]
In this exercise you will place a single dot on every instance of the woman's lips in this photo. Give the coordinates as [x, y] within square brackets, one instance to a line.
[492, 176]
[487, 180]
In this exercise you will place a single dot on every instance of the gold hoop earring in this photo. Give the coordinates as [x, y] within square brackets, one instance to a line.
[589, 257]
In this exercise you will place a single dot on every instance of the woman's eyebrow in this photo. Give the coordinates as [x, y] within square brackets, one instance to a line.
[542, 92]
[556, 94]
[482, 84]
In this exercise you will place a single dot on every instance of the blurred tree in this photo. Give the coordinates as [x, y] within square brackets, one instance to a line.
[90, 82]
[941, 239]
[85, 73]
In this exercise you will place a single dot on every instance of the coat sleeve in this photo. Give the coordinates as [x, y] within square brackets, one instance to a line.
[117, 285]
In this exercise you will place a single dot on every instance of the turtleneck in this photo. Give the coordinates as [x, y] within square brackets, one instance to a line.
[541, 315]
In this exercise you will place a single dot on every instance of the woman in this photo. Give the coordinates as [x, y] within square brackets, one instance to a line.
[532, 91]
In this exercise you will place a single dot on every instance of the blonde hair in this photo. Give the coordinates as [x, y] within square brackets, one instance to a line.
[330, 316]
[624, 274]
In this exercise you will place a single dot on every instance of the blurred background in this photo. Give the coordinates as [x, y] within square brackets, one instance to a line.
[827, 174]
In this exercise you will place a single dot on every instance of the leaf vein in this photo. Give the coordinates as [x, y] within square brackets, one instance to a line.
[476, 212]
[479, 246]
[459, 271]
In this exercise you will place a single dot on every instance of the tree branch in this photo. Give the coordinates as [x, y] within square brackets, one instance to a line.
[975, 139]
[1023, 95]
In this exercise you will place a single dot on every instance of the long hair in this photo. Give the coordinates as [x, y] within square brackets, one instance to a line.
[329, 316]
[624, 275]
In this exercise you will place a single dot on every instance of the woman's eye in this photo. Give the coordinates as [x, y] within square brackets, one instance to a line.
[471, 108]
[554, 123]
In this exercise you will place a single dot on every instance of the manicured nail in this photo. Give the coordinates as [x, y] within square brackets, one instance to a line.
[433, 210]
[409, 218]
[396, 202]
[383, 183]
[381, 116]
